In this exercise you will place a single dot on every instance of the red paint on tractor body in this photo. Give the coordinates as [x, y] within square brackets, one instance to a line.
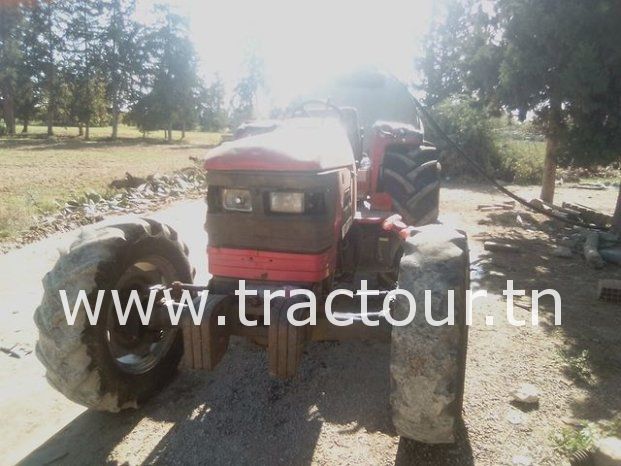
[309, 146]
[252, 264]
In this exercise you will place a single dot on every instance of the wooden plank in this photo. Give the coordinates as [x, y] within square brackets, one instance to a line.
[197, 347]
[188, 351]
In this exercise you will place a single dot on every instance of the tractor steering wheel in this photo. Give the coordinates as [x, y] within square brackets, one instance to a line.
[303, 110]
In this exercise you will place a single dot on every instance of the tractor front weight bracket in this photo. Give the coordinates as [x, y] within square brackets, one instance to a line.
[205, 342]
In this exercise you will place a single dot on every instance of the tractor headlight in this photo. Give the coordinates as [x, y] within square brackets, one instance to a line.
[237, 199]
[287, 203]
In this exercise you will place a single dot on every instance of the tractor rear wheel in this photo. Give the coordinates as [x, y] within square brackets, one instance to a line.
[413, 181]
[428, 363]
[108, 366]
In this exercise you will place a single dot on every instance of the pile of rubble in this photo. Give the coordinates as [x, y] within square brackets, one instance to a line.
[597, 247]
[609, 174]
[130, 195]
[596, 244]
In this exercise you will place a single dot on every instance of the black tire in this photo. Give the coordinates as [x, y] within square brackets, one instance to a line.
[413, 181]
[428, 363]
[79, 358]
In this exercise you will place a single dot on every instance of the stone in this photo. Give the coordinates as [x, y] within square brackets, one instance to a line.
[591, 253]
[522, 460]
[562, 251]
[526, 393]
[607, 452]
[500, 247]
[515, 417]
[612, 255]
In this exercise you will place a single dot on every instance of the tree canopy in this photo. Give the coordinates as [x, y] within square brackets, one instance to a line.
[88, 63]
[558, 60]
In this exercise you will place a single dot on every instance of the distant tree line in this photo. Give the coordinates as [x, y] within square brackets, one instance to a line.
[89, 63]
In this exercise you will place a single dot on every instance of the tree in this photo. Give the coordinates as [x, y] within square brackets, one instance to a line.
[440, 65]
[28, 94]
[562, 58]
[10, 59]
[87, 104]
[557, 58]
[244, 99]
[211, 111]
[124, 55]
[26, 98]
[460, 54]
[46, 29]
[175, 85]
[84, 62]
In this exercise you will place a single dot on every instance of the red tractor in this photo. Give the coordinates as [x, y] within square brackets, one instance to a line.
[303, 203]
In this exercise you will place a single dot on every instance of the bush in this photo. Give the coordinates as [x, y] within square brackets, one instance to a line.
[510, 152]
[3, 131]
[468, 125]
[521, 161]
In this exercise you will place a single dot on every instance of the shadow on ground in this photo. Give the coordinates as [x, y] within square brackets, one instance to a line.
[591, 352]
[239, 415]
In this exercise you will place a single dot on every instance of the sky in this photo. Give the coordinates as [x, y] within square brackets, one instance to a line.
[302, 43]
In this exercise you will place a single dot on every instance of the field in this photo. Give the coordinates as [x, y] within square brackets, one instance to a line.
[37, 171]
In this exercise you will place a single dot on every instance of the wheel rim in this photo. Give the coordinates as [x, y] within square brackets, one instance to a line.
[136, 349]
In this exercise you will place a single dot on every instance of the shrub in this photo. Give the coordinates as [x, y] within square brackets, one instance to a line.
[510, 152]
[521, 161]
[469, 126]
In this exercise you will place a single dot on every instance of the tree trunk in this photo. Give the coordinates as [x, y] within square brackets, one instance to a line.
[50, 120]
[25, 127]
[50, 69]
[183, 130]
[169, 136]
[87, 132]
[549, 169]
[115, 120]
[9, 114]
[552, 147]
[616, 218]
[80, 129]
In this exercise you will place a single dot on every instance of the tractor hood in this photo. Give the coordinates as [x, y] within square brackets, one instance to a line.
[297, 144]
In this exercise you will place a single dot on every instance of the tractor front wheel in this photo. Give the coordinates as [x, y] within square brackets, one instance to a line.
[428, 363]
[108, 366]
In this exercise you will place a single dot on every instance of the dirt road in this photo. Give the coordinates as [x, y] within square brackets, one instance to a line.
[336, 410]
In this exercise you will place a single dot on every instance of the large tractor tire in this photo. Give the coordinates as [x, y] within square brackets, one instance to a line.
[413, 181]
[428, 363]
[106, 366]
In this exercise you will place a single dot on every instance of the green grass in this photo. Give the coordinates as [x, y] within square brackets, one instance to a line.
[578, 365]
[570, 440]
[37, 172]
[522, 153]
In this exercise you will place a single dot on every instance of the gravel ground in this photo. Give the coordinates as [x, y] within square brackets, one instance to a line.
[336, 410]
